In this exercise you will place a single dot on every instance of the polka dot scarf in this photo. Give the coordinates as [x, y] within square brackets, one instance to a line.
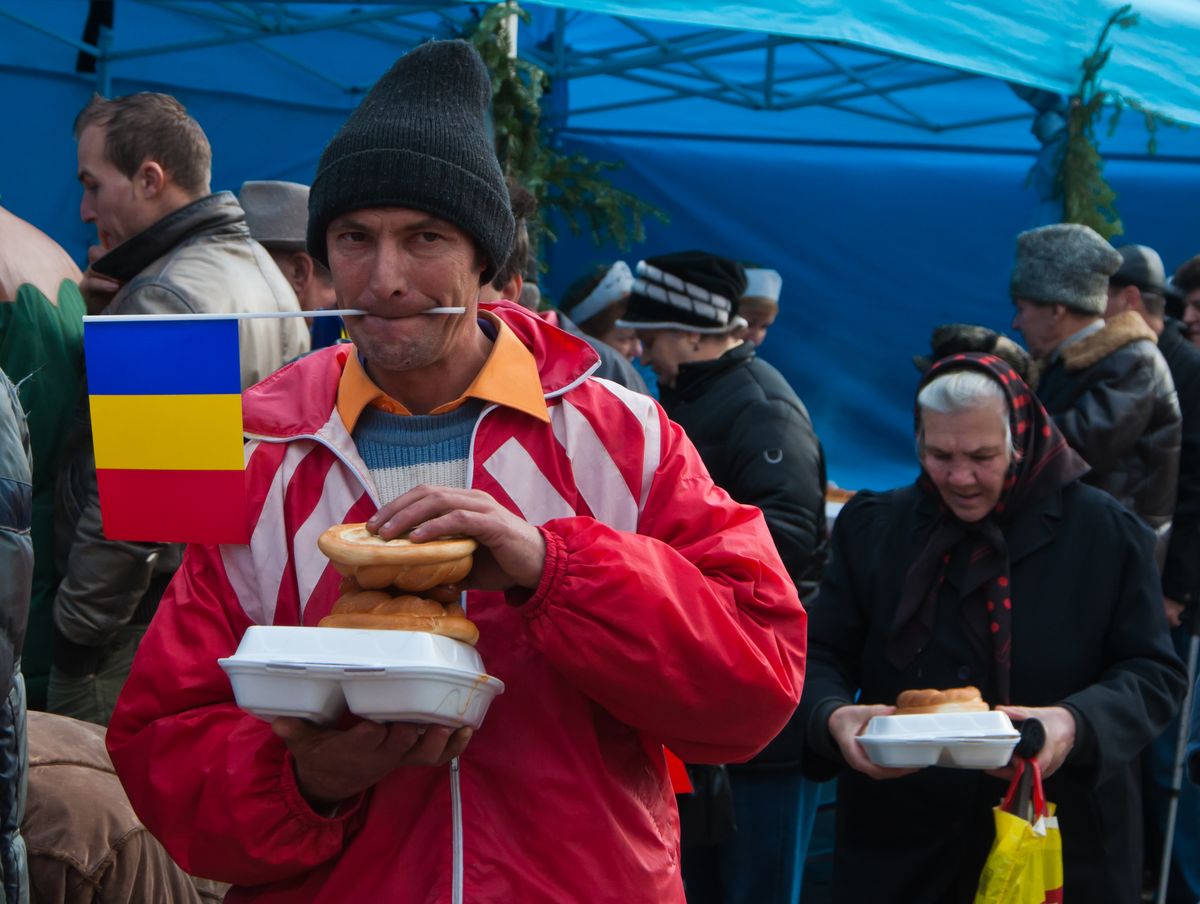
[1043, 463]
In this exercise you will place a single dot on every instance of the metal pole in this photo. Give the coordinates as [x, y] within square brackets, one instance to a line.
[1164, 872]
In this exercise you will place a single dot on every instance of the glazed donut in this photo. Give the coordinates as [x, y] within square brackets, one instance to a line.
[373, 563]
[929, 700]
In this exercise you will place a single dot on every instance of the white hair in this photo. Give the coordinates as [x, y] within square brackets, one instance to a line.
[965, 390]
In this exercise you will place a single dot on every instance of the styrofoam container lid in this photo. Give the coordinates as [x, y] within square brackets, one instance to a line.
[961, 753]
[386, 676]
[285, 645]
[991, 724]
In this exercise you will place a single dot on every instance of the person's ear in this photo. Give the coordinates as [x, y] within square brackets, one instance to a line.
[150, 179]
[299, 271]
[1133, 299]
[512, 289]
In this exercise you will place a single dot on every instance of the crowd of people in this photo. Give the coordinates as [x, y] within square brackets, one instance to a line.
[657, 582]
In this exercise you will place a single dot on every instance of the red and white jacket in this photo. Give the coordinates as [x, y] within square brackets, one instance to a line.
[664, 617]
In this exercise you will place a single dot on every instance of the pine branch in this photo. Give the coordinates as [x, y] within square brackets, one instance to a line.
[573, 186]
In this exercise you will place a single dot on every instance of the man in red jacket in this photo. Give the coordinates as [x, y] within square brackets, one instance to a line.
[627, 603]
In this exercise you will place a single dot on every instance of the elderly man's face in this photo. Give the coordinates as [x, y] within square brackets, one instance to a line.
[396, 264]
[966, 456]
[1038, 326]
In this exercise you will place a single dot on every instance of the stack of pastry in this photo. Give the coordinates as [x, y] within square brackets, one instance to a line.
[382, 580]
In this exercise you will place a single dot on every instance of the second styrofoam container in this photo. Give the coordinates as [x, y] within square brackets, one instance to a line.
[943, 725]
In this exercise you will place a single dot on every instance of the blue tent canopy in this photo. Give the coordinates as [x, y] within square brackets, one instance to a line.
[873, 152]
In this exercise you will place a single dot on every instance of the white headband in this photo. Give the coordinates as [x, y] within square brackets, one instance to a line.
[763, 284]
[612, 288]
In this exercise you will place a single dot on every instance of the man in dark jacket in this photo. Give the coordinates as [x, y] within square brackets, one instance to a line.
[758, 442]
[1106, 385]
[1138, 286]
[167, 245]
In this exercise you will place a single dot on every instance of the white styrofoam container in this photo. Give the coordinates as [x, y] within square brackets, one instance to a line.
[386, 676]
[940, 726]
[983, 740]
[963, 753]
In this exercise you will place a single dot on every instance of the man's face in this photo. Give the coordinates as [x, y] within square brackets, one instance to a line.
[758, 318]
[395, 264]
[1038, 326]
[664, 350]
[111, 200]
[966, 457]
[1191, 314]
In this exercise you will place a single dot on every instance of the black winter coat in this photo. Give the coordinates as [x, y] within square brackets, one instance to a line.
[1181, 574]
[1088, 633]
[757, 441]
[1112, 396]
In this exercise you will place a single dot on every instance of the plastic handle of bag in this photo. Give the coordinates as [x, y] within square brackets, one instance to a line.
[1037, 793]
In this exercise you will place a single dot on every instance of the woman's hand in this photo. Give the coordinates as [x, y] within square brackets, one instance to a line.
[1059, 723]
[846, 723]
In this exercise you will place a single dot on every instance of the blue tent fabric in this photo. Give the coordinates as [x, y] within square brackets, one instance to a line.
[881, 226]
[1039, 43]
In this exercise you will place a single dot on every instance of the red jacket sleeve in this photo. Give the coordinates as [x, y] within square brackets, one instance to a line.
[689, 630]
[211, 782]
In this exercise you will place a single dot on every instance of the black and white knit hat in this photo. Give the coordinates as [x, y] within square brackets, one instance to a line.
[420, 139]
[692, 291]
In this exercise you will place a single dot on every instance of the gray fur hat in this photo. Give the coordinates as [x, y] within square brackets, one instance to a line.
[1067, 264]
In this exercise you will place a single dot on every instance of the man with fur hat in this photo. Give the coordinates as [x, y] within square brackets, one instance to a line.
[1106, 385]
[1138, 287]
[626, 602]
[758, 442]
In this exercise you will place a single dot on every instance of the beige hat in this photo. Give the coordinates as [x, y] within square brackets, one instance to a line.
[276, 212]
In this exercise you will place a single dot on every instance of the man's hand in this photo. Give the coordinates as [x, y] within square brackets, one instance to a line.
[97, 290]
[846, 723]
[1174, 612]
[512, 551]
[1059, 723]
[332, 765]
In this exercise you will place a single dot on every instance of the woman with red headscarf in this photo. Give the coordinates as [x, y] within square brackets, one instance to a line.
[997, 569]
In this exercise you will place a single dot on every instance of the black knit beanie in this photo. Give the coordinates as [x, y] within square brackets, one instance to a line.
[420, 139]
[690, 290]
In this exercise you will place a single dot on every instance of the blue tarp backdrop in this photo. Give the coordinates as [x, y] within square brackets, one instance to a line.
[886, 190]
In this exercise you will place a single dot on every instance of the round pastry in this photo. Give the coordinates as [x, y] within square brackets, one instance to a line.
[951, 700]
[374, 563]
[377, 609]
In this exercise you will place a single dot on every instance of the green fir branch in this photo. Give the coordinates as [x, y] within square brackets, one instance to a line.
[572, 186]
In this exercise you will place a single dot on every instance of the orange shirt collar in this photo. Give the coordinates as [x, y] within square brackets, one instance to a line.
[509, 377]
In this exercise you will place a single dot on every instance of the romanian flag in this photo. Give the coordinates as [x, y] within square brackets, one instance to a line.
[166, 409]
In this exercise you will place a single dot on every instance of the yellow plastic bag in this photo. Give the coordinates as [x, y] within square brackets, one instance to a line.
[1025, 863]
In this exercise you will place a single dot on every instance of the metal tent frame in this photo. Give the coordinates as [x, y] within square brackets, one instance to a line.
[663, 63]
